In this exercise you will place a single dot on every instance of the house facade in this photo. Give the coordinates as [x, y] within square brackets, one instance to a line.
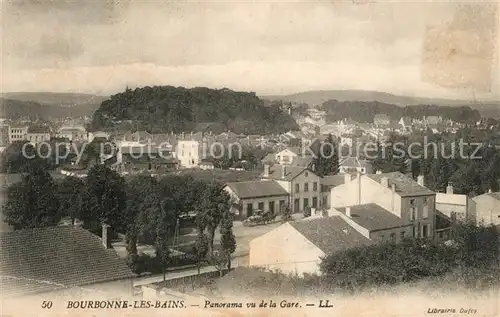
[250, 198]
[189, 153]
[488, 208]
[287, 155]
[302, 184]
[397, 193]
[456, 207]
[17, 133]
[297, 247]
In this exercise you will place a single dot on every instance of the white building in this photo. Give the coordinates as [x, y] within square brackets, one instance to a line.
[17, 133]
[189, 153]
[488, 208]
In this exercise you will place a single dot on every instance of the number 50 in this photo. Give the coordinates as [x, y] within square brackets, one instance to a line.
[47, 304]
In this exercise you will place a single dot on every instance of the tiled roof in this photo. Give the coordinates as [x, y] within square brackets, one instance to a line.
[46, 259]
[254, 189]
[405, 185]
[269, 158]
[333, 180]
[276, 171]
[302, 161]
[373, 217]
[442, 220]
[330, 234]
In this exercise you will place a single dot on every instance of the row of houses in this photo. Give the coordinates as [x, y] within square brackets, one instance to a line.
[347, 211]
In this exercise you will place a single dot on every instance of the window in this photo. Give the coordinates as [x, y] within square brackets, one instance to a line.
[286, 158]
[306, 174]
[413, 210]
[425, 213]
[249, 210]
[382, 237]
[393, 237]
[306, 187]
[425, 231]
[415, 232]
[271, 206]
[402, 235]
[261, 206]
[315, 186]
[315, 202]
[325, 201]
[297, 188]
[306, 203]
[282, 203]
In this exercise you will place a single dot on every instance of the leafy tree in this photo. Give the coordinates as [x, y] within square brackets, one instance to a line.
[69, 193]
[104, 199]
[143, 204]
[165, 224]
[227, 239]
[286, 213]
[326, 160]
[14, 160]
[32, 203]
[213, 204]
[162, 109]
[200, 248]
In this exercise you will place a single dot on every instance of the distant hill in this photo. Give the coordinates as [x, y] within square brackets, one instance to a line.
[174, 109]
[59, 99]
[486, 108]
[17, 109]
[364, 111]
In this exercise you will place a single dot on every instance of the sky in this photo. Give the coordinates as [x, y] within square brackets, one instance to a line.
[100, 47]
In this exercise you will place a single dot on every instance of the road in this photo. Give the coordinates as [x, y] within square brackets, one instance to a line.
[178, 274]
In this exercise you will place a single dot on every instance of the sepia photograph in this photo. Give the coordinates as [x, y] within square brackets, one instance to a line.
[249, 158]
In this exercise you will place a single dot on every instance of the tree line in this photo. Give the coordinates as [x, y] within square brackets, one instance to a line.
[365, 111]
[470, 164]
[145, 209]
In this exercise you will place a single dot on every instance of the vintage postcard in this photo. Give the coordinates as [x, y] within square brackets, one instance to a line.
[249, 158]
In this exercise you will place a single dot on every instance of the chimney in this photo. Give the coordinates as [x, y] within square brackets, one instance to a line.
[449, 188]
[384, 181]
[348, 211]
[266, 170]
[378, 172]
[420, 180]
[347, 178]
[106, 241]
[283, 171]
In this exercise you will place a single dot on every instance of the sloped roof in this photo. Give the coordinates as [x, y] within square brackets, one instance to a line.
[254, 189]
[269, 158]
[276, 171]
[293, 149]
[373, 217]
[354, 162]
[495, 195]
[330, 234]
[302, 161]
[405, 185]
[47, 259]
[333, 180]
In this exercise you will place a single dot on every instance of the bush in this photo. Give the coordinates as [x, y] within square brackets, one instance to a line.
[473, 261]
